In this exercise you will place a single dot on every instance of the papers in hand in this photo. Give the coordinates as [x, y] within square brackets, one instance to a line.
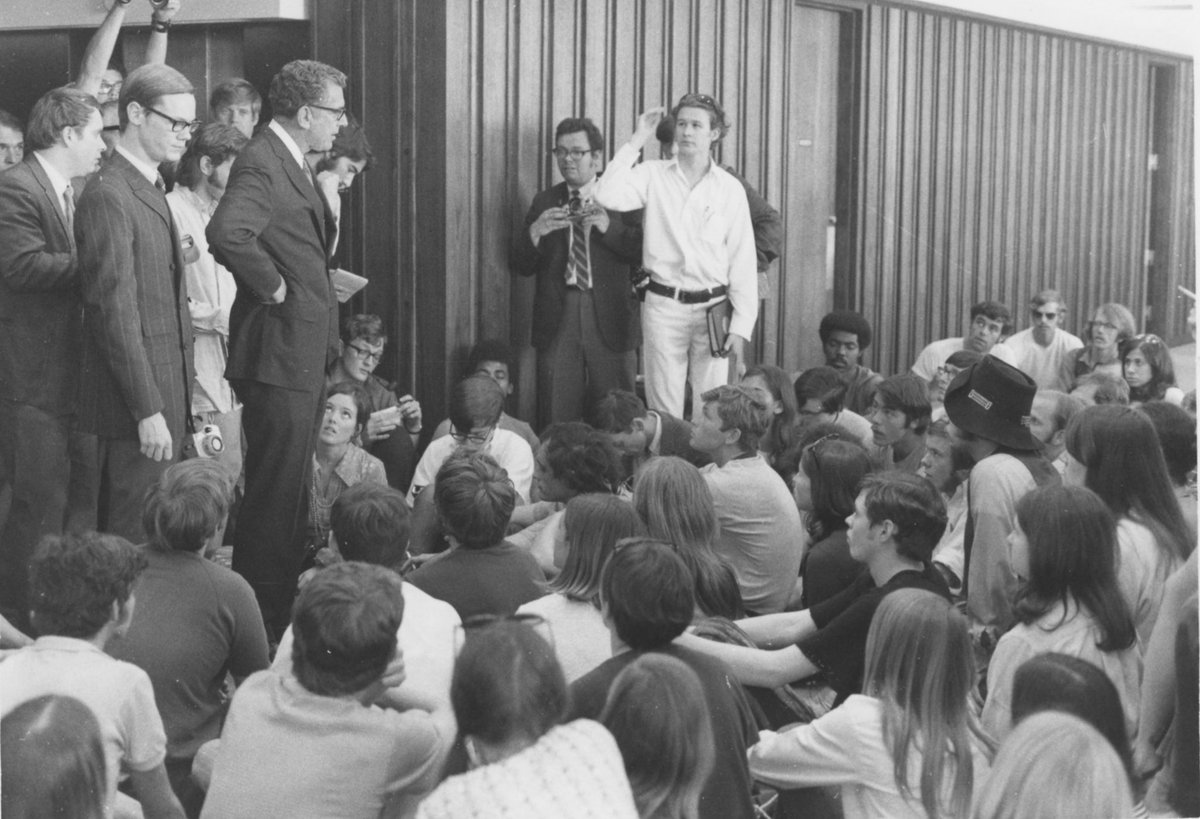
[346, 284]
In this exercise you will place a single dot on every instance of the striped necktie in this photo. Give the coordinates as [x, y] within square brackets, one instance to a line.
[579, 272]
[69, 209]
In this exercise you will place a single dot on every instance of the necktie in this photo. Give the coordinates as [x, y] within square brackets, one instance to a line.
[160, 184]
[69, 209]
[578, 271]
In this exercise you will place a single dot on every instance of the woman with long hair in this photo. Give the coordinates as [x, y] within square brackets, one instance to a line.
[1110, 324]
[1114, 451]
[1176, 430]
[773, 387]
[651, 712]
[52, 760]
[1064, 547]
[918, 677]
[825, 487]
[1148, 369]
[677, 507]
[510, 698]
[593, 524]
[1054, 764]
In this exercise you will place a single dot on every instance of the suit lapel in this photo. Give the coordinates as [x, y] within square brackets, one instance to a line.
[39, 176]
[303, 186]
[142, 188]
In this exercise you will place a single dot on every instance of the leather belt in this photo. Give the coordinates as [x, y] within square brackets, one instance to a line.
[686, 296]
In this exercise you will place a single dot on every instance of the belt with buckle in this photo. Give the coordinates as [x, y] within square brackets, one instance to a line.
[686, 296]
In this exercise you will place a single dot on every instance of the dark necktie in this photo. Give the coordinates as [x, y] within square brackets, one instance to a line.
[160, 184]
[578, 272]
[69, 209]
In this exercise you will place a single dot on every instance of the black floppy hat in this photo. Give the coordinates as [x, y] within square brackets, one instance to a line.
[993, 399]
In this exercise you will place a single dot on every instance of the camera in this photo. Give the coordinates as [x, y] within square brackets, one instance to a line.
[208, 441]
[576, 210]
[158, 4]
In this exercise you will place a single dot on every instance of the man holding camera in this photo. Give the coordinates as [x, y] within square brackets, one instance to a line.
[585, 319]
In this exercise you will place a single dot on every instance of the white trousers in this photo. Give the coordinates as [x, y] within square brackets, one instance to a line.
[675, 354]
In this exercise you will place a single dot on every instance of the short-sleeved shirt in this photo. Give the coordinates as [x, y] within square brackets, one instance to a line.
[287, 752]
[118, 693]
[496, 580]
[839, 645]
[194, 622]
[508, 448]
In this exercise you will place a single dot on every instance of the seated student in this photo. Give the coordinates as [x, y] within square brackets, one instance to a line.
[647, 599]
[844, 336]
[900, 414]
[370, 524]
[916, 692]
[640, 433]
[820, 393]
[947, 465]
[1149, 371]
[476, 404]
[593, 523]
[81, 588]
[1101, 388]
[1051, 412]
[771, 386]
[1054, 764]
[53, 760]
[651, 712]
[897, 520]
[494, 358]
[990, 320]
[760, 525]
[942, 377]
[316, 743]
[510, 697]
[363, 341]
[1176, 430]
[481, 573]
[196, 622]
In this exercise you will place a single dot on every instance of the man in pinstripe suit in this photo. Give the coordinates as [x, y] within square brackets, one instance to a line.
[137, 355]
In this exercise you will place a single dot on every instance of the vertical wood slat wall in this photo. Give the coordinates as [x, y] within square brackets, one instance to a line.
[997, 162]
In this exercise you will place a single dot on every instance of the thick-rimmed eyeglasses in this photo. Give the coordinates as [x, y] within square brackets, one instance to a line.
[178, 126]
[480, 438]
[364, 353]
[563, 153]
[338, 113]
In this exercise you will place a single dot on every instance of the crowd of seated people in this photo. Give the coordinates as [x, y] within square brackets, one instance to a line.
[964, 589]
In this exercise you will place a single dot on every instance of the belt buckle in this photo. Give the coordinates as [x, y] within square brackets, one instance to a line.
[677, 294]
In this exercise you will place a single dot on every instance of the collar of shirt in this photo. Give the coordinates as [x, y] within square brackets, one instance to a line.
[656, 441]
[54, 642]
[288, 142]
[191, 198]
[57, 180]
[585, 190]
[145, 169]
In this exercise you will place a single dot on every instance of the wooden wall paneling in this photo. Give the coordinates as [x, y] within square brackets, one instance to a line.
[770, 173]
[496, 46]
[31, 63]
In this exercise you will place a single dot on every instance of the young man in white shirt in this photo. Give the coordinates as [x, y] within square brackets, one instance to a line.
[698, 249]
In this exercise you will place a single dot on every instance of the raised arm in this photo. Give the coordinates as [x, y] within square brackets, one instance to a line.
[160, 23]
[623, 186]
[100, 48]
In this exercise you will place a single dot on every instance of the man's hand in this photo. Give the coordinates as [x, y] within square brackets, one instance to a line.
[646, 125]
[279, 295]
[735, 346]
[393, 675]
[410, 414]
[550, 220]
[167, 12]
[154, 437]
[381, 424]
[597, 219]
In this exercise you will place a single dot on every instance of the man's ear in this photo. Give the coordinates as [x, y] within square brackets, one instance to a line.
[639, 425]
[1057, 438]
[733, 435]
[887, 529]
[206, 166]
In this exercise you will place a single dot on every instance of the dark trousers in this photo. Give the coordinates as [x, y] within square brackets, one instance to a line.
[578, 367]
[280, 427]
[50, 470]
[399, 458]
[123, 476]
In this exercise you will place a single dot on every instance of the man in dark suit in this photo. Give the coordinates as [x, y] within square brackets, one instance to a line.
[40, 327]
[273, 231]
[585, 319]
[136, 371]
[640, 434]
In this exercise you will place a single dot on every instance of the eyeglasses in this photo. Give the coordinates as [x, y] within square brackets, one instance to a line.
[474, 438]
[832, 436]
[364, 353]
[1044, 315]
[563, 153]
[111, 128]
[178, 126]
[338, 113]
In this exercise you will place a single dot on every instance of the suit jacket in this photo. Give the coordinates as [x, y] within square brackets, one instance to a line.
[614, 255]
[676, 439]
[40, 311]
[138, 357]
[272, 226]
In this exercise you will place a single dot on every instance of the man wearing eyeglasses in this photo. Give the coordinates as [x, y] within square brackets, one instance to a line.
[699, 253]
[585, 318]
[1041, 349]
[274, 232]
[136, 371]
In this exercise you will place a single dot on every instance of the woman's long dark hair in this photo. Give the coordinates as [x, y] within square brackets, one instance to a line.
[1072, 556]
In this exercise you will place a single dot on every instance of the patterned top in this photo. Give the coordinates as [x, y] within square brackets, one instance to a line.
[355, 467]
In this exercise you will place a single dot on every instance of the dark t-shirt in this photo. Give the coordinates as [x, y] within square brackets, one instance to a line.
[828, 568]
[727, 793]
[497, 580]
[843, 621]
